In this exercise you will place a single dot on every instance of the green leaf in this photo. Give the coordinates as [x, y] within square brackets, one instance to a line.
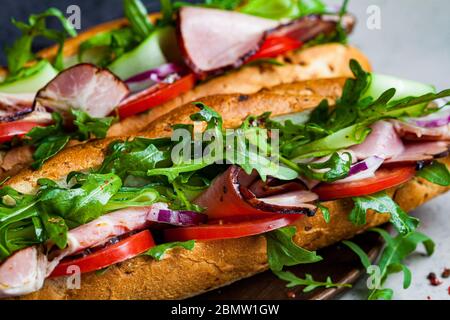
[308, 282]
[382, 203]
[56, 228]
[159, 251]
[47, 149]
[336, 167]
[391, 260]
[137, 15]
[325, 212]
[360, 252]
[282, 251]
[88, 125]
[436, 173]
[21, 50]
[83, 204]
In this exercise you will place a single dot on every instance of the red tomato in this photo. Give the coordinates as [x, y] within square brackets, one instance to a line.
[125, 249]
[216, 231]
[9, 130]
[155, 96]
[274, 46]
[384, 178]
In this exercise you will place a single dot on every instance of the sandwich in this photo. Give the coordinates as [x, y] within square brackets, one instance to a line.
[226, 187]
[117, 77]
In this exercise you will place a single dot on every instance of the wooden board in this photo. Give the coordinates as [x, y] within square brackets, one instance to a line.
[339, 262]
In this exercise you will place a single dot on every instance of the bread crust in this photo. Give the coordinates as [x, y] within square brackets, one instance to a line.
[211, 264]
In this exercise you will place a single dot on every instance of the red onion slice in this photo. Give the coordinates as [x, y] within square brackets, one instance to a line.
[438, 119]
[178, 218]
[168, 72]
[363, 169]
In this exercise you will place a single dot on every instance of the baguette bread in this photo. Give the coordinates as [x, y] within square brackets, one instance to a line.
[211, 264]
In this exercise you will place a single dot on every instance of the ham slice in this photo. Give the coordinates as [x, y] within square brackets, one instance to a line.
[383, 142]
[230, 197]
[421, 151]
[86, 87]
[24, 272]
[212, 40]
[15, 106]
[410, 131]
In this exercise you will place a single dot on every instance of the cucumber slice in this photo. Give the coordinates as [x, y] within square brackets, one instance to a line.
[148, 55]
[33, 82]
[405, 88]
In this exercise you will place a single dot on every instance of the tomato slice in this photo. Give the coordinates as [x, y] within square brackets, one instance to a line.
[125, 249]
[384, 178]
[274, 46]
[216, 230]
[155, 96]
[9, 130]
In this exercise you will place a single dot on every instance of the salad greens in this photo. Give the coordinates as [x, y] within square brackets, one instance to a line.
[49, 140]
[436, 173]
[391, 260]
[308, 282]
[282, 251]
[382, 203]
[21, 51]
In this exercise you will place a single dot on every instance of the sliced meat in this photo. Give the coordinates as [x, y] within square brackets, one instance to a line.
[421, 151]
[230, 197]
[213, 40]
[101, 230]
[15, 156]
[15, 106]
[410, 131]
[24, 272]
[309, 27]
[85, 87]
[383, 142]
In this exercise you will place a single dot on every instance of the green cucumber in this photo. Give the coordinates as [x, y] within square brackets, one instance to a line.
[32, 80]
[405, 88]
[148, 55]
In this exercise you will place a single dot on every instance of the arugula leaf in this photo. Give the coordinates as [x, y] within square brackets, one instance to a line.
[391, 260]
[336, 167]
[436, 173]
[325, 212]
[56, 228]
[282, 251]
[308, 282]
[48, 148]
[137, 15]
[21, 50]
[50, 140]
[83, 204]
[382, 203]
[159, 251]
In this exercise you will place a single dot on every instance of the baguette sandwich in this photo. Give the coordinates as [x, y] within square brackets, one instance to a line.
[118, 77]
[224, 188]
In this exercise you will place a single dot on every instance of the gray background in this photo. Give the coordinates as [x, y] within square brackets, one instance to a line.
[414, 42]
